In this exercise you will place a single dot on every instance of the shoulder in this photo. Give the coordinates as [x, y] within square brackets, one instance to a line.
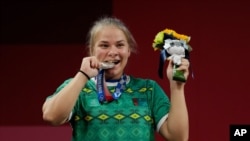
[142, 81]
[64, 83]
[89, 83]
[146, 83]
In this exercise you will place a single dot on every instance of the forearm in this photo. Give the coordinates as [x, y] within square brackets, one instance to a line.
[57, 109]
[177, 122]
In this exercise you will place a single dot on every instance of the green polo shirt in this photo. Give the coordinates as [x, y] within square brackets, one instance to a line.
[133, 117]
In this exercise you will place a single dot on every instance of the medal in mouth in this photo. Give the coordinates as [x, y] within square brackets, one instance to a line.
[109, 64]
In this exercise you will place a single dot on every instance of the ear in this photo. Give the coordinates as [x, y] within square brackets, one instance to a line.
[91, 51]
[129, 52]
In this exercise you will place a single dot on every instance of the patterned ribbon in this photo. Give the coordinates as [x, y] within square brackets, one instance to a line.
[102, 89]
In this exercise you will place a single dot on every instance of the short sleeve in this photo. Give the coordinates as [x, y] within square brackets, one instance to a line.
[66, 82]
[161, 103]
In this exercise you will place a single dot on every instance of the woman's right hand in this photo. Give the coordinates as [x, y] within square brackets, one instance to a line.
[90, 66]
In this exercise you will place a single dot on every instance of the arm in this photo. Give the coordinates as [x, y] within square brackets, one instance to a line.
[56, 109]
[176, 127]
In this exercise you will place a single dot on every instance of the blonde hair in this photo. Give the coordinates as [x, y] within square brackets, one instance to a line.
[110, 21]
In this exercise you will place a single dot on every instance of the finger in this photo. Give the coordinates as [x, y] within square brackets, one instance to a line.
[170, 63]
[184, 65]
[185, 62]
[94, 63]
[182, 68]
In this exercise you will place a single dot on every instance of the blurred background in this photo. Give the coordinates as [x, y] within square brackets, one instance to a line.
[42, 44]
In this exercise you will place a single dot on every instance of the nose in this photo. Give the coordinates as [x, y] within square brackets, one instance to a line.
[113, 52]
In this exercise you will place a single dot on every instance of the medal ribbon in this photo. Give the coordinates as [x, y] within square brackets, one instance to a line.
[102, 89]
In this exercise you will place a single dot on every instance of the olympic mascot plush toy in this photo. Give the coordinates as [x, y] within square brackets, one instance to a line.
[172, 46]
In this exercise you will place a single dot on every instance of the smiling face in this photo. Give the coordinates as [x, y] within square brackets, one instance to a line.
[111, 45]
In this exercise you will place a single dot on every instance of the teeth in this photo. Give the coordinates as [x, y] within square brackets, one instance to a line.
[107, 65]
[110, 61]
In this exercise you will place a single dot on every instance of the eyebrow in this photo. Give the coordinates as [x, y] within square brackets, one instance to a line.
[120, 41]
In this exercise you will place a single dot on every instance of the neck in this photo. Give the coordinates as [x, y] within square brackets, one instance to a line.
[112, 77]
[112, 80]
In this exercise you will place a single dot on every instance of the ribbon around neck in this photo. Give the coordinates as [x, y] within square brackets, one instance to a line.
[103, 91]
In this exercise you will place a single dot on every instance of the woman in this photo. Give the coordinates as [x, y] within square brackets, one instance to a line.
[123, 107]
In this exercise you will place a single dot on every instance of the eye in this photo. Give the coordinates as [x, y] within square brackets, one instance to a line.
[119, 45]
[104, 45]
[172, 44]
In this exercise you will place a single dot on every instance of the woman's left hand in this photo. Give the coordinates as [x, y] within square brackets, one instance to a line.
[184, 67]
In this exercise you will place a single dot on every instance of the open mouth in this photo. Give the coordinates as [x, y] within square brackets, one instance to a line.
[109, 64]
[113, 62]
